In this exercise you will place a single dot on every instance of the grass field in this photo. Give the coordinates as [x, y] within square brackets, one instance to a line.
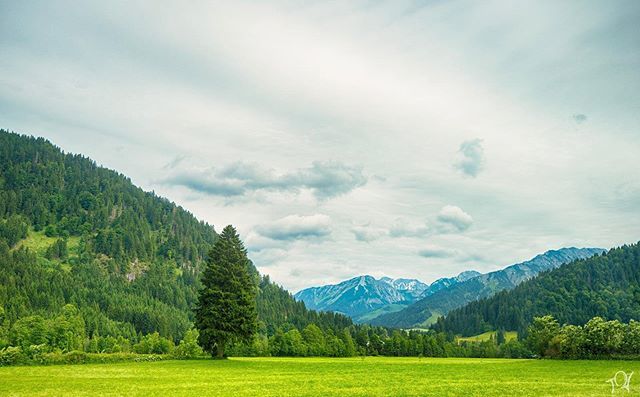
[390, 308]
[38, 242]
[509, 335]
[321, 377]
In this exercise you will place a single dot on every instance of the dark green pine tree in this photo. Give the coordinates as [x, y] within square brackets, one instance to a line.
[501, 337]
[226, 310]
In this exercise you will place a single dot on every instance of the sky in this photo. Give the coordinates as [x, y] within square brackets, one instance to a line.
[409, 139]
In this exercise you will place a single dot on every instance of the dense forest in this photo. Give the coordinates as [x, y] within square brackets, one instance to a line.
[606, 285]
[72, 232]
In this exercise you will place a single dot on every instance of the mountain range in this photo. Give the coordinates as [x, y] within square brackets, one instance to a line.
[426, 311]
[606, 285]
[365, 297]
[410, 303]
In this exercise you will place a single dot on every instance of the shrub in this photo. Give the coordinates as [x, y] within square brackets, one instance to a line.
[148, 358]
[11, 356]
[104, 358]
[36, 353]
[75, 357]
[153, 344]
[188, 347]
[52, 358]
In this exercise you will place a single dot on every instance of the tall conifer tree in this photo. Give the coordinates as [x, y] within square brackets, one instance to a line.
[226, 310]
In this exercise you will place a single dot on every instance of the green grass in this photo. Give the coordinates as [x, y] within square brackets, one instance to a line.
[508, 335]
[431, 319]
[390, 308]
[38, 242]
[321, 377]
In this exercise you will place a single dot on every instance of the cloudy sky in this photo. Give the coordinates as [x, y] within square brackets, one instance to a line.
[407, 139]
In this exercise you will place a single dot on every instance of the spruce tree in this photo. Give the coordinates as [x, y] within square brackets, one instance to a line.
[501, 337]
[226, 310]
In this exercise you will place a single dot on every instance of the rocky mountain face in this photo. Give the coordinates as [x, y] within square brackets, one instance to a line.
[425, 311]
[365, 297]
[444, 283]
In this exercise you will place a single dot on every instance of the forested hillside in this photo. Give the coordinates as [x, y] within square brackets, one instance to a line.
[74, 232]
[606, 285]
[426, 311]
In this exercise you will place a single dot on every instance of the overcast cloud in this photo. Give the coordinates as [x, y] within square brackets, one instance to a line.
[323, 179]
[407, 139]
[471, 157]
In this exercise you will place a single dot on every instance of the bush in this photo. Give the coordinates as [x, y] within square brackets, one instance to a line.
[50, 231]
[36, 353]
[104, 358]
[52, 358]
[75, 357]
[153, 344]
[188, 347]
[11, 356]
[148, 358]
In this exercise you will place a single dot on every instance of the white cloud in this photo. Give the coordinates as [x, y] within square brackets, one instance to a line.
[433, 251]
[404, 228]
[471, 157]
[324, 179]
[296, 227]
[367, 233]
[450, 215]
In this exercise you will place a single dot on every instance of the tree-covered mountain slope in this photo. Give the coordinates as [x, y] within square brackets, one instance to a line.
[606, 285]
[74, 232]
[425, 311]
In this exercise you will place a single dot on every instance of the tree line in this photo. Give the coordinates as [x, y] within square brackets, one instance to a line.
[598, 338]
[226, 315]
[226, 318]
[232, 318]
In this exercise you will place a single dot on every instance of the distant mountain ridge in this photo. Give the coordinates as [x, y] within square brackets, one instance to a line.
[606, 285]
[365, 297]
[444, 283]
[360, 295]
[425, 311]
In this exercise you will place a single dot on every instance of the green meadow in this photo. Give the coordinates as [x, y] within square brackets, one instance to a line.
[509, 335]
[371, 376]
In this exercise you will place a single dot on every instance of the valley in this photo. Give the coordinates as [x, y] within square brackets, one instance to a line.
[311, 198]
